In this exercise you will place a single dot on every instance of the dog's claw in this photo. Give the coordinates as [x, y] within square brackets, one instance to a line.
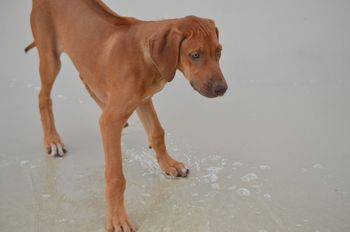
[185, 172]
[56, 150]
[176, 174]
[176, 170]
[121, 225]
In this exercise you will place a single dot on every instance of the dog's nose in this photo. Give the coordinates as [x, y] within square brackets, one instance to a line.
[220, 89]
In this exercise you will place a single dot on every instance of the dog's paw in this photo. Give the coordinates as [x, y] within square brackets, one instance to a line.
[174, 168]
[56, 149]
[120, 224]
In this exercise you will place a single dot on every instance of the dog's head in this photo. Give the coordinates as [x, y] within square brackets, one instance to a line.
[191, 45]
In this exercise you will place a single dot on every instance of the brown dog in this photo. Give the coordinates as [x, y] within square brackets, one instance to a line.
[123, 62]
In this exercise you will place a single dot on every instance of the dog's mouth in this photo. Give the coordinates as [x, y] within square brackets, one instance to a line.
[193, 86]
[206, 92]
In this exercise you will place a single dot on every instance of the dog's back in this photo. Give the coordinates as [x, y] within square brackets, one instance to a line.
[58, 21]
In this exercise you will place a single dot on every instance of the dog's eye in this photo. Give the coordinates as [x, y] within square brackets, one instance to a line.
[196, 55]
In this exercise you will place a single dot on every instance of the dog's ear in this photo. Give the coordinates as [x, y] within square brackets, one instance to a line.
[216, 29]
[217, 32]
[164, 49]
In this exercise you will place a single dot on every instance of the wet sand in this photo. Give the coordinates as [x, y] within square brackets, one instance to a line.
[272, 155]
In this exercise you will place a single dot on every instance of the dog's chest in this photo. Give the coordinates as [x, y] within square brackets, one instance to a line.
[154, 87]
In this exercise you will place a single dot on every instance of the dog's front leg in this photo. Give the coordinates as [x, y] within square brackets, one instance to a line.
[112, 121]
[155, 132]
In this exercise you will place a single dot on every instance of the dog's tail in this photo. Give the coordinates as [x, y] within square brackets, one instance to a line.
[30, 46]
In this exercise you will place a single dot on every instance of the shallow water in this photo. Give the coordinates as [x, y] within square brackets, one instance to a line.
[271, 155]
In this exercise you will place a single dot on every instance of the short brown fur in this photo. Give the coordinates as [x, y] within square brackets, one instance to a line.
[123, 62]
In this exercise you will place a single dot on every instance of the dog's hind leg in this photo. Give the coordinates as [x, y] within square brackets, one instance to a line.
[49, 67]
[47, 42]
